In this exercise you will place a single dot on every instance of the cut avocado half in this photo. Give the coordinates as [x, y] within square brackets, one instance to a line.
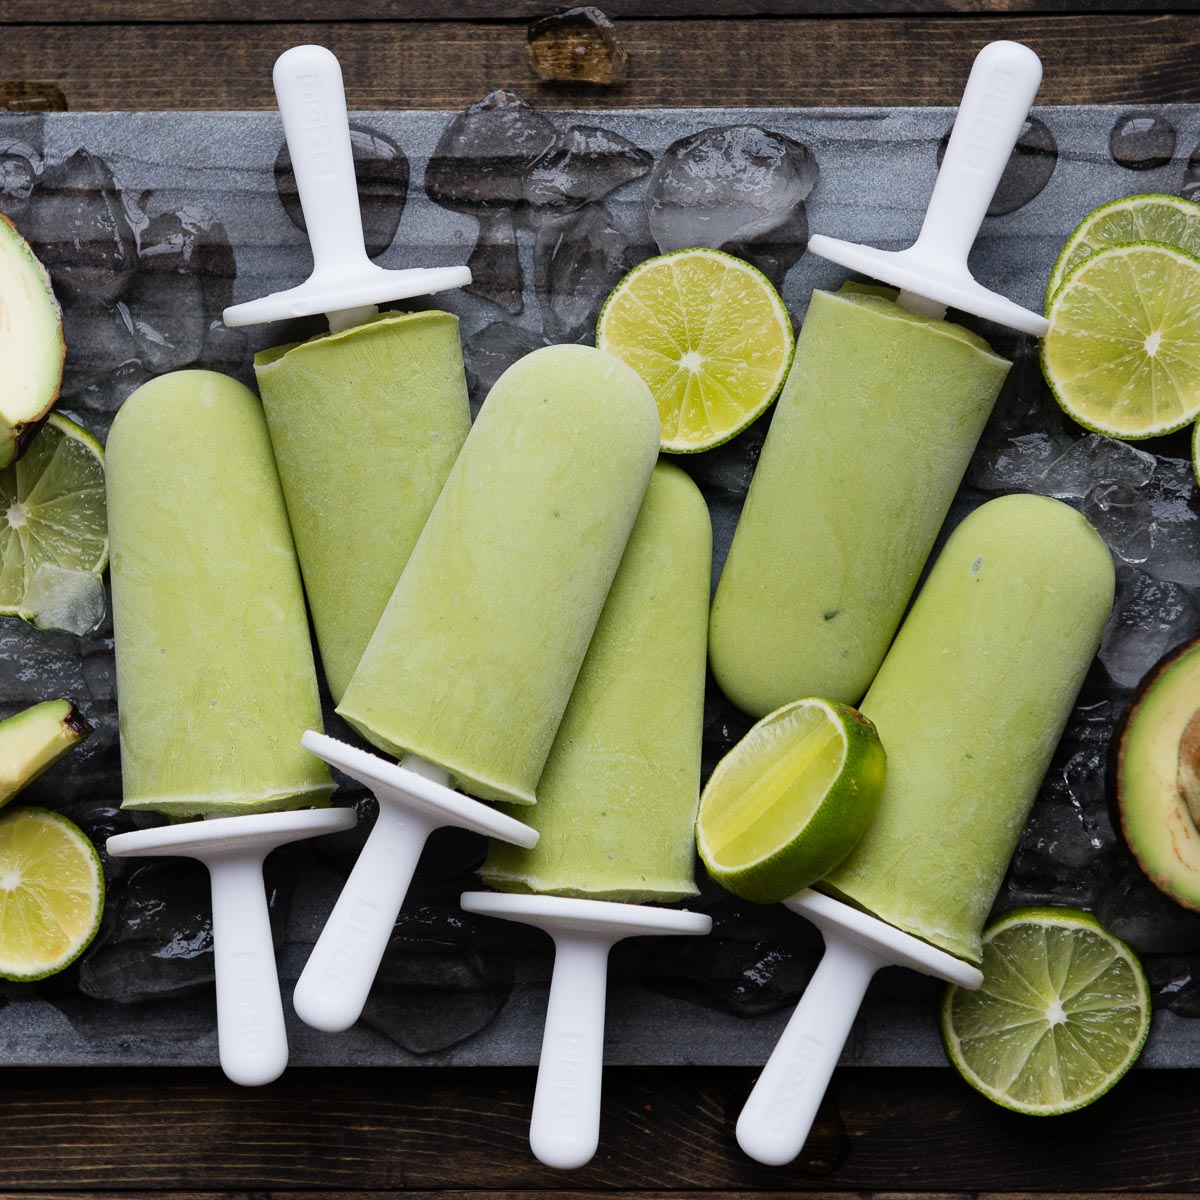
[32, 348]
[34, 740]
[1158, 776]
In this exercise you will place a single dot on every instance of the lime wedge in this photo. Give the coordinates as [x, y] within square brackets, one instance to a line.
[1063, 1012]
[1149, 218]
[1123, 352]
[790, 800]
[51, 893]
[54, 529]
[709, 335]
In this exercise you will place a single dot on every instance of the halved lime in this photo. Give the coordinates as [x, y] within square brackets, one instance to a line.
[51, 893]
[709, 335]
[1063, 1012]
[1123, 352]
[53, 527]
[1147, 218]
[790, 800]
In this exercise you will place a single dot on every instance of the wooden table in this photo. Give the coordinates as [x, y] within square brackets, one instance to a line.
[350, 1132]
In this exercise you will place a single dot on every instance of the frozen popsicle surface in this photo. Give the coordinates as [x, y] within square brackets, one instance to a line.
[474, 658]
[617, 800]
[365, 425]
[215, 668]
[870, 439]
[970, 704]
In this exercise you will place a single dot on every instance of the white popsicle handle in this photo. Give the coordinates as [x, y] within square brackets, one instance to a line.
[1000, 90]
[251, 1036]
[333, 987]
[564, 1129]
[781, 1109]
[312, 103]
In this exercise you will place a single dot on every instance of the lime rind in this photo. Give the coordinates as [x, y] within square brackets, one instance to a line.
[59, 480]
[746, 371]
[1117, 364]
[1093, 984]
[41, 922]
[1183, 213]
[790, 800]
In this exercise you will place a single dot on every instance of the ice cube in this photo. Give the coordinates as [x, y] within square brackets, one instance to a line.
[20, 166]
[1150, 617]
[80, 228]
[1096, 460]
[1175, 506]
[491, 351]
[1027, 171]
[1124, 519]
[579, 45]
[585, 164]
[735, 187]
[1191, 178]
[578, 259]
[1135, 910]
[64, 599]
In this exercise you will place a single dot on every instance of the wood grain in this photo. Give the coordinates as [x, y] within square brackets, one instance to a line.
[668, 1132]
[112, 11]
[1129, 59]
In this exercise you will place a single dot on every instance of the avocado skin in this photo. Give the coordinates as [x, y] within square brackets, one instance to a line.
[33, 740]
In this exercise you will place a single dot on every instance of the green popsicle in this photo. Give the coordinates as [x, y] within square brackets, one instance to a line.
[365, 424]
[617, 801]
[870, 439]
[215, 669]
[473, 661]
[970, 704]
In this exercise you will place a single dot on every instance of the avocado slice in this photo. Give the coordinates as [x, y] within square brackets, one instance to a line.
[34, 740]
[1157, 760]
[32, 348]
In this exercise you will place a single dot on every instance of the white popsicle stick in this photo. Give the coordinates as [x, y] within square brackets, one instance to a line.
[413, 801]
[250, 1031]
[564, 1129]
[345, 284]
[777, 1117]
[932, 273]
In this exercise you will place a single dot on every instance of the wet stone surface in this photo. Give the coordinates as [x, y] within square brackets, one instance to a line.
[550, 209]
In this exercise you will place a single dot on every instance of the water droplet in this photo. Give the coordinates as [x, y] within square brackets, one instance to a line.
[380, 167]
[1191, 177]
[577, 46]
[1142, 140]
[1027, 171]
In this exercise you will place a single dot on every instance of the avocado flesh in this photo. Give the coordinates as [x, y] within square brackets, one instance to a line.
[1158, 776]
[31, 342]
[32, 741]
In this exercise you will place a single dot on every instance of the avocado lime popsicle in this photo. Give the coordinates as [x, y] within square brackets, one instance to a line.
[471, 666]
[367, 419]
[616, 803]
[870, 438]
[365, 424]
[873, 431]
[970, 703]
[215, 673]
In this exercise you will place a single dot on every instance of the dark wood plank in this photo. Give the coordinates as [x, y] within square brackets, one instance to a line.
[123, 11]
[428, 1131]
[1120, 60]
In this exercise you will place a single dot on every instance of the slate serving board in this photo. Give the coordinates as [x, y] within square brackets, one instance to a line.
[153, 222]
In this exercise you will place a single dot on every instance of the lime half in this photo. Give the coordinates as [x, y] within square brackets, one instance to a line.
[709, 335]
[790, 800]
[1063, 1012]
[1149, 218]
[51, 893]
[1123, 352]
[54, 528]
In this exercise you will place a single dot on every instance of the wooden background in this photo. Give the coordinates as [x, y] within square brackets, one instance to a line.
[457, 1133]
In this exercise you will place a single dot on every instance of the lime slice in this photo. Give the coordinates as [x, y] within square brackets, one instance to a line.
[1063, 1012]
[790, 800]
[1150, 218]
[53, 528]
[709, 335]
[1123, 352]
[51, 893]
